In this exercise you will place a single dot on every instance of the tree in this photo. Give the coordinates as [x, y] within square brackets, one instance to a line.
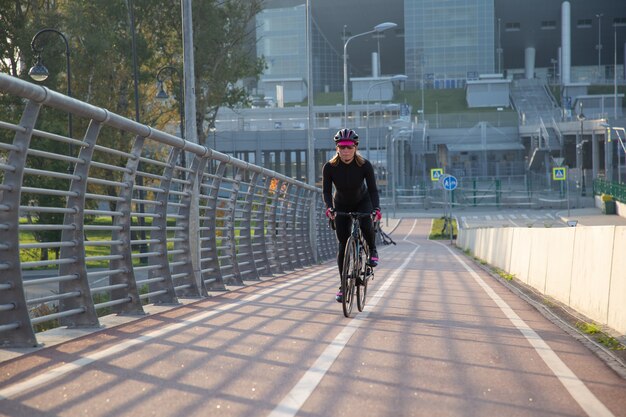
[224, 37]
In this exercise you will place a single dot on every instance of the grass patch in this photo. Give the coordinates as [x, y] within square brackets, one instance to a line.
[599, 336]
[437, 231]
[503, 274]
[588, 328]
[610, 342]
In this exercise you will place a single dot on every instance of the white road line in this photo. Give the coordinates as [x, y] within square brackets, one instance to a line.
[295, 399]
[577, 389]
[411, 231]
[20, 387]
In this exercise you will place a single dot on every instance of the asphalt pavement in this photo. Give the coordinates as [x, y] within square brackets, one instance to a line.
[439, 336]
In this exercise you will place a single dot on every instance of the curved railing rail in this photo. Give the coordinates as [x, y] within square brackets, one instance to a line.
[112, 221]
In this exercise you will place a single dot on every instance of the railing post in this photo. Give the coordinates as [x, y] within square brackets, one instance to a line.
[245, 257]
[184, 259]
[124, 248]
[261, 235]
[77, 235]
[210, 266]
[235, 276]
[15, 326]
[293, 243]
[159, 238]
[272, 228]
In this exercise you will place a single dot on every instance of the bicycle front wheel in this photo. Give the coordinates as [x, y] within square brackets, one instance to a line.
[364, 271]
[348, 276]
[361, 290]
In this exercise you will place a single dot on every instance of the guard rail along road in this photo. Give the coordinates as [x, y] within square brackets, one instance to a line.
[112, 221]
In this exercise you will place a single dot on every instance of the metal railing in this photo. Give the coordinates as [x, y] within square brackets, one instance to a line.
[614, 189]
[81, 236]
[529, 191]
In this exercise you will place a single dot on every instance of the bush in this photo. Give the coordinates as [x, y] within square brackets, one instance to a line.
[606, 197]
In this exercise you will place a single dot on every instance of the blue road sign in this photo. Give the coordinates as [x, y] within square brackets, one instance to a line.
[450, 182]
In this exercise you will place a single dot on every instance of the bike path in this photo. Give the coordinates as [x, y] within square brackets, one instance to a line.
[438, 336]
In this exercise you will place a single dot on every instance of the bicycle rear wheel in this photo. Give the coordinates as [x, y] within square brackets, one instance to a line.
[348, 276]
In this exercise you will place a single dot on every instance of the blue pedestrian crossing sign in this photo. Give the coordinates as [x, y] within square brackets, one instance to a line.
[449, 183]
[436, 173]
[559, 173]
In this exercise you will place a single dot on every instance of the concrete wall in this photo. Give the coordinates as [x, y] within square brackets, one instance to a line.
[487, 93]
[579, 266]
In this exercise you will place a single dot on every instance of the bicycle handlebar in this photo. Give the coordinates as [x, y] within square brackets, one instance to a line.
[353, 215]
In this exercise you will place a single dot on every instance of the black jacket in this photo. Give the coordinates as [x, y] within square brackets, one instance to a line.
[353, 184]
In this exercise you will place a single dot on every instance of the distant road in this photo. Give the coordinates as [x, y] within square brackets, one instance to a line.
[510, 218]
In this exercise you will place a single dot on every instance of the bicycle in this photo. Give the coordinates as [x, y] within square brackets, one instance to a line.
[356, 272]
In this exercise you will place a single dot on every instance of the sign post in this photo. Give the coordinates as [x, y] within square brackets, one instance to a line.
[449, 183]
[560, 174]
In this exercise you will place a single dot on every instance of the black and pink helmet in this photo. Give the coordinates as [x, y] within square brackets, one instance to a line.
[346, 137]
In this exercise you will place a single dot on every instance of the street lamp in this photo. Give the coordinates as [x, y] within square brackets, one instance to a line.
[162, 95]
[381, 27]
[553, 61]
[579, 147]
[40, 73]
[395, 78]
[599, 45]
[621, 142]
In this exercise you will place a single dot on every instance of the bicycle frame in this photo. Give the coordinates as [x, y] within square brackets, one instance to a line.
[355, 272]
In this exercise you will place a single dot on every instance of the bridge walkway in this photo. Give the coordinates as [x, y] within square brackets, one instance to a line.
[439, 336]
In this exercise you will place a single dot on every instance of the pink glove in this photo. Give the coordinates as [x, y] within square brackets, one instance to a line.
[377, 215]
[330, 213]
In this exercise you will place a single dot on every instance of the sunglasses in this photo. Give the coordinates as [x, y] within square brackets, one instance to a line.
[342, 147]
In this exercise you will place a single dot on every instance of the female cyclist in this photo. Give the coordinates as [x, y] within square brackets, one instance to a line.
[355, 190]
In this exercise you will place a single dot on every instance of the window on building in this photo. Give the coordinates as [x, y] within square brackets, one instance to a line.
[584, 23]
[619, 21]
[512, 26]
[548, 24]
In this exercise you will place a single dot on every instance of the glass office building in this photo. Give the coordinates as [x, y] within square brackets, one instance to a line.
[281, 40]
[448, 41]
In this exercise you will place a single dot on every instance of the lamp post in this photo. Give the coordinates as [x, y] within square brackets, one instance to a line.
[622, 145]
[499, 50]
[615, 72]
[579, 148]
[162, 95]
[599, 45]
[398, 77]
[621, 139]
[40, 73]
[381, 27]
[553, 61]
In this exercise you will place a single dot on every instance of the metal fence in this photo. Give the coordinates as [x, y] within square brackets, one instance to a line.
[115, 220]
[615, 190]
[529, 191]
